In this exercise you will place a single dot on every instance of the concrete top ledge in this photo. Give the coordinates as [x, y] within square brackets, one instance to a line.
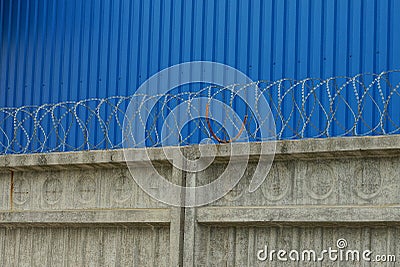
[388, 145]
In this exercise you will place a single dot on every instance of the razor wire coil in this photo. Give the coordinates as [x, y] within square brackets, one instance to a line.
[365, 104]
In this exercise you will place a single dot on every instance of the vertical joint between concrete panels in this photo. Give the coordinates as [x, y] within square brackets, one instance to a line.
[189, 227]
[177, 223]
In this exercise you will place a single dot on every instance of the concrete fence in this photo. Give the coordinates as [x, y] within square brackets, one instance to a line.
[84, 209]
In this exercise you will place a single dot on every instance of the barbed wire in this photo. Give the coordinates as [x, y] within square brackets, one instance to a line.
[365, 104]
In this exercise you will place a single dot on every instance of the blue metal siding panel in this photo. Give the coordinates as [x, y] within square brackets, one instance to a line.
[54, 51]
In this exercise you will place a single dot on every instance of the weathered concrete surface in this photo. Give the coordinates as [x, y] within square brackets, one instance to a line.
[238, 245]
[84, 246]
[83, 208]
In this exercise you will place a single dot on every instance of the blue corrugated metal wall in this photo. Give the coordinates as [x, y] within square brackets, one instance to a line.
[57, 50]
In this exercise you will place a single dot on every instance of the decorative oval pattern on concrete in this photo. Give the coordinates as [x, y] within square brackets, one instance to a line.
[21, 190]
[277, 184]
[52, 190]
[86, 189]
[367, 180]
[320, 181]
[236, 192]
[122, 188]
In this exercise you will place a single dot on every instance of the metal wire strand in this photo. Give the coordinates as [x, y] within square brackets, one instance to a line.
[365, 104]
